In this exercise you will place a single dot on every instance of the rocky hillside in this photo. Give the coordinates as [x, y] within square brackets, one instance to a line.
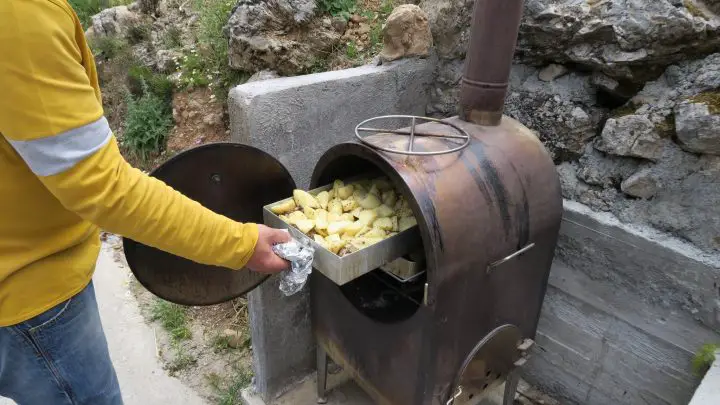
[625, 94]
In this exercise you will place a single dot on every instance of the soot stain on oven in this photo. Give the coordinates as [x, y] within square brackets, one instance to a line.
[426, 194]
[523, 213]
[489, 172]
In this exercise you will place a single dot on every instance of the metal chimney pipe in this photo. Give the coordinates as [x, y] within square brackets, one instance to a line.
[484, 85]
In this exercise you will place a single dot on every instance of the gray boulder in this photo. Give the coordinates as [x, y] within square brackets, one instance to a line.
[286, 36]
[641, 184]
[631, 135]
[114, 21]
[697, 129]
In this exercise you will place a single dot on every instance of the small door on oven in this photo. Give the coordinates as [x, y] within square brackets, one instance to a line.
[230, 179]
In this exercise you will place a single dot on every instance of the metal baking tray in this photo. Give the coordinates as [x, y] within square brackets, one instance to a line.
[405, 269]
[342, 270]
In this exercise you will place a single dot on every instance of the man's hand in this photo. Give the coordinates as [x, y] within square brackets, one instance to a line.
[264, 260]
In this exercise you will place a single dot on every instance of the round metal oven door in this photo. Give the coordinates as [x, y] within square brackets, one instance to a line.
[230, 179]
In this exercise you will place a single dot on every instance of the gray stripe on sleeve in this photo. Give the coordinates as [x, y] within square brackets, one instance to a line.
[56, 154]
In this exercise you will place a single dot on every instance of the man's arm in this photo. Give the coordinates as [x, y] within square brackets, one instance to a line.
[50, 114]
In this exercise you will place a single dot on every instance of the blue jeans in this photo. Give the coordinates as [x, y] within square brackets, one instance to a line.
[59, 357]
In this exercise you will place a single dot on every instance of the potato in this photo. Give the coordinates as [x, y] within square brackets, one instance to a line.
[323, 198]
[347, 237]
[337, 184]
[356, 212]
[321, 232]
[357, 186]
[296, 216]
[359, 194]
[389, 198]
[362, 243]
[407, 223]
[395, 224]
[384, 211]
[374, 190]
[304, 199]
[284, 208]
[331, 194]
[321, 241]
[335, 243]
[338, 227]
[370, 201]
[349, 205]
[347, 217]
[305, 225]
[367, 217]
[333, 217]
[344, 192]
[309, 212]
[382, 184]
[375, 233]
[354, 228]
[321, 219]
[386, 224]
[335, 206]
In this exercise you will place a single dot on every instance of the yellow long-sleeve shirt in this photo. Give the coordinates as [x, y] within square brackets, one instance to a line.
[62, 176]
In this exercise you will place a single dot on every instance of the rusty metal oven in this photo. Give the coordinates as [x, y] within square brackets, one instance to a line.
[449, 319]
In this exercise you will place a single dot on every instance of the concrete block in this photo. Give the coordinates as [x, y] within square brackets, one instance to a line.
[708, 393]
[298, 118]
[612, 328]
[283, 344]
[659, 269]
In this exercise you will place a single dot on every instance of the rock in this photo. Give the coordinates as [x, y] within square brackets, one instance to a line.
[713, 5]
[641, 184]
[339, 24]
[563, 112]
[233, 338]
[631, 135]
[166, 61]
[697, 129]
[552, 72]
[285, 36]
[599, 169]
[112, 21]
[263, 75]
[406, 33]
[625, 39]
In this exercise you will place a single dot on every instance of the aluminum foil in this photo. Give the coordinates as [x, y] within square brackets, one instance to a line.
[300, 257]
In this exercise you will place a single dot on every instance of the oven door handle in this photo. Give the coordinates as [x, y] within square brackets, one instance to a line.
[506, 259]
[452, 399]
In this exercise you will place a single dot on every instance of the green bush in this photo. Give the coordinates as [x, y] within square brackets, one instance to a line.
[704, 358]
[147, 123]
[108, 47]
[141, 79]
[341, 8]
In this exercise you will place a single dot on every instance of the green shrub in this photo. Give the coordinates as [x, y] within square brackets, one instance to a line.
[108, 47]
[172, 37]
[341, 8]
[138, 32]
[141, 78]
[147, 123]
[704, 358]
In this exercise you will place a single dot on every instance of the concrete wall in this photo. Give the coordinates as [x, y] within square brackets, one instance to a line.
[297, 119]
[625, 312]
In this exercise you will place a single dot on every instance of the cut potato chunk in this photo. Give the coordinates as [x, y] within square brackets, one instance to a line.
[296, 216]
[344, 192]
[338, 227]
[321, 241]
[384, 211]
[354, 228]
[309, 212]
[407, 223]
[323, 198]
[335, 206]
[370, 201]
[321, 219]
[337, 184]
[304, 199]
[386, 224]
[356, 212]
[374, 190]
[305, 225]
[335, 243]
[375, 233]
[349, 205]
[382, 184]
[347, 217]
[389, 198]
[395, 224]
[333, 217]
[284, 208]
[367, 216]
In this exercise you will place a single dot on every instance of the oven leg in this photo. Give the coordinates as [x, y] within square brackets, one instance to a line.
[511, 384]
[322, 363]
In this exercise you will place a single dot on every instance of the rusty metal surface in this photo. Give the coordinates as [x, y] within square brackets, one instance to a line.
[488, 364]
[230, 179]
[474, 208]
[487, 67]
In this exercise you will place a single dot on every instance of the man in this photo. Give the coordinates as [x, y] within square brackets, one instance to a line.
[61, 179]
